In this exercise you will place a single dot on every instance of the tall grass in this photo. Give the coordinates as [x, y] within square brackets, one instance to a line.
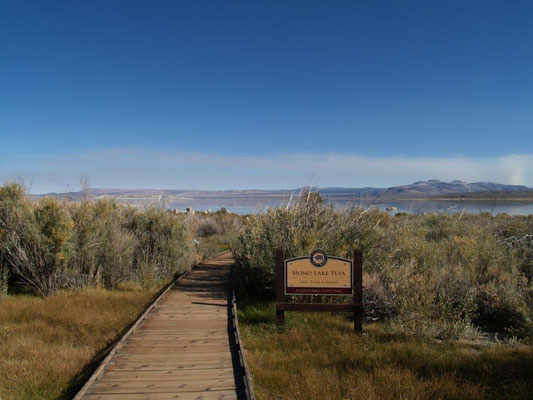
[317, 356]
[51, 244]
[46, 344]
[437, 275]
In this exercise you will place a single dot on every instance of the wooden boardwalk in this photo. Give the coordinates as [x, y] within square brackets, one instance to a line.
[185, 347]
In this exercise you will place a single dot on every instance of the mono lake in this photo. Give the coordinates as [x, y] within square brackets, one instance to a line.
[254, 205]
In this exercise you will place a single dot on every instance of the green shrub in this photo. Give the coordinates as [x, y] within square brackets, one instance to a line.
[50, 244]
[298, 228]
[115, 253]
[36, 240]
[86, 244]
[164, 241]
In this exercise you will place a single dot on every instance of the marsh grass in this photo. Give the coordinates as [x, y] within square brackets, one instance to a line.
[317, 356]
[47, 344]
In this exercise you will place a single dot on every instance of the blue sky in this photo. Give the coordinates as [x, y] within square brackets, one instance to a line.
[240, 94]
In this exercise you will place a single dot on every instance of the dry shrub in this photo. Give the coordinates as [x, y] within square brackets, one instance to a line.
[208, 224]
[208, 228]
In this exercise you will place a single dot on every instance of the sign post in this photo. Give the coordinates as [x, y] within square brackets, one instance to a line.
[358, 290]
[319, 274]
[280, 283]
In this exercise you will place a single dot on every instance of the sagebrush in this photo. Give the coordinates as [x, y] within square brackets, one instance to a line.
[50, 244]
[436, 275]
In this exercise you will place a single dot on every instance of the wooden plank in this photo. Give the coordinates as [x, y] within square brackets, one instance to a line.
[168, 375]
[210, 395]
[164, 320]
[176, 336]
[138, 349]
[180, 342]
[183, 357]
[186, 321]
[166, 365]
[188, 308]
[199, 310]
[184, 303]
[207, 324]
[184, 331]
[227, 355]
[200, 302]
[187, 326]
[175, 329]
[182, 345]
[197, 299]
[164, 386]
[193, 310]
[174, 296]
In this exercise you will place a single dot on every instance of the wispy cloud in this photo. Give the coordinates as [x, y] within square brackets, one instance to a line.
[135, 168]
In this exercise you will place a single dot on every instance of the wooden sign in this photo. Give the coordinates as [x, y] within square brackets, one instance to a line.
[320, 274]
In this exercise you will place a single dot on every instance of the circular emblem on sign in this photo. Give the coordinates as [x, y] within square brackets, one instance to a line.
[318, 258]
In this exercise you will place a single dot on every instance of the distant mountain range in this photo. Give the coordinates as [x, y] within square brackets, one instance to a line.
[419, 190]
[435, 188]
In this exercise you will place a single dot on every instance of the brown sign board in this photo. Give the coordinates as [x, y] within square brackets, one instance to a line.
[329, 276]
[322, 275]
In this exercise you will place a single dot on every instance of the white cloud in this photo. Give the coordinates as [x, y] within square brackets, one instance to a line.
[135, 168]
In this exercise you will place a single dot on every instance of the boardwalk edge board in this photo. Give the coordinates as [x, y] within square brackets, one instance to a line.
[85, 388]
[249, 389]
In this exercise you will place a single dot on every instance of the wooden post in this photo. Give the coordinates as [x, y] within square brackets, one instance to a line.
[358, 290]
[280, 286]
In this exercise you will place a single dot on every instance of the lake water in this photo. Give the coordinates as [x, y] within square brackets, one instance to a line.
[255, 205]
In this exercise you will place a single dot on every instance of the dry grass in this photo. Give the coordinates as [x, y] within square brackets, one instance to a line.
[46, 344]
[317, 356]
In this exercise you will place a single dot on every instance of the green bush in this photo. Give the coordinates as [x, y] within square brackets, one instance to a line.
[49, 244]
[164, 241]
[298, 228]
[35, 243]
